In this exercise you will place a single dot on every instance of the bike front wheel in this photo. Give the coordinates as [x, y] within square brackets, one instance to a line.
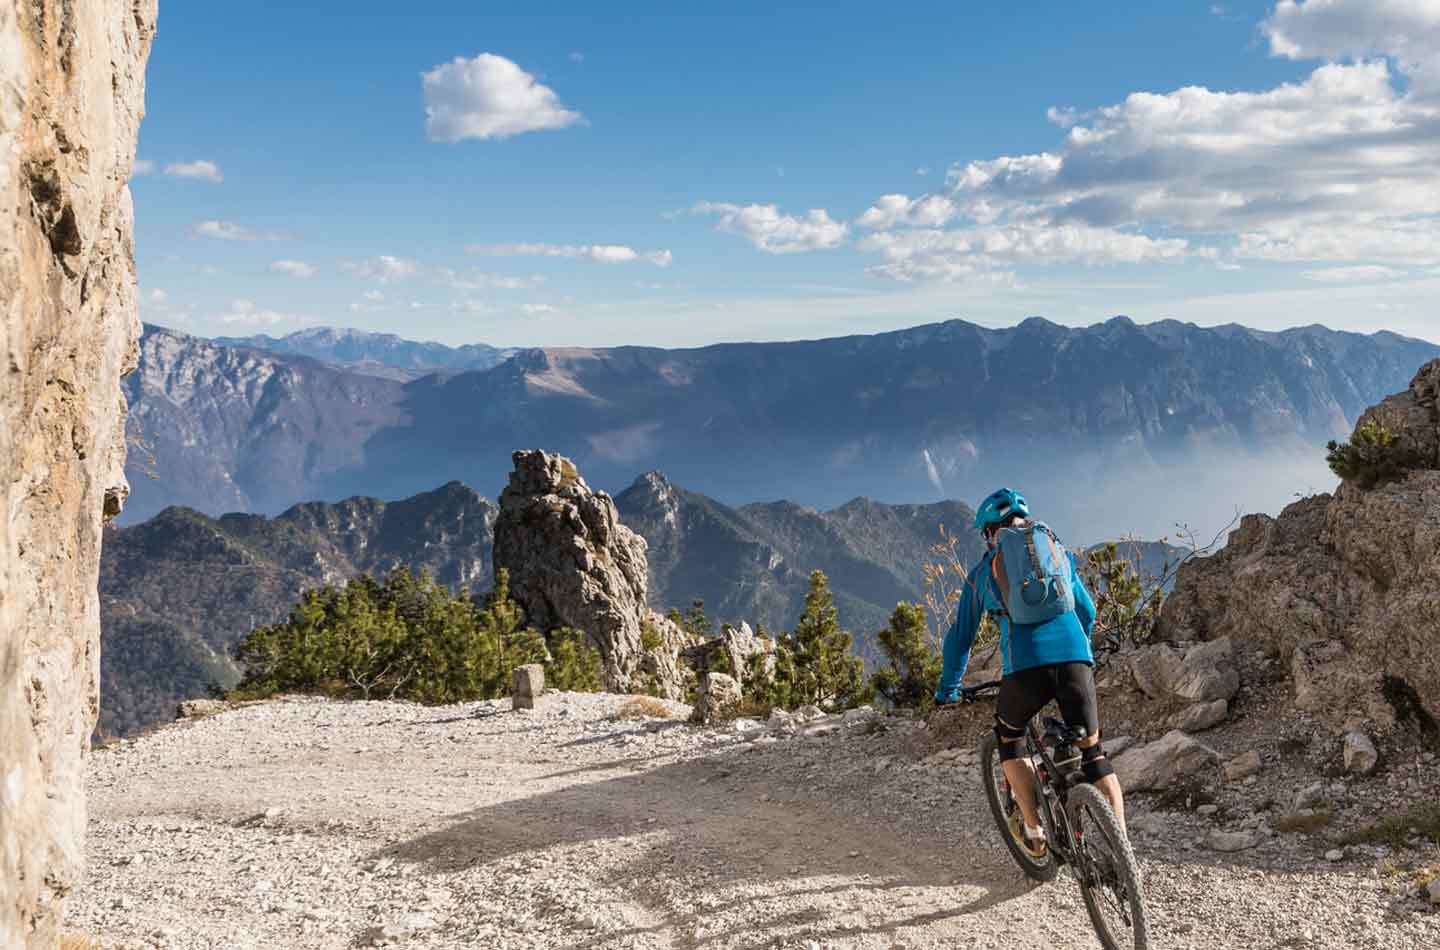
[1002, 805]
[1107, 871]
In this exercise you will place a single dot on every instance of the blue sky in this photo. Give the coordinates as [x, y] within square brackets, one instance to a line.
[479, 172]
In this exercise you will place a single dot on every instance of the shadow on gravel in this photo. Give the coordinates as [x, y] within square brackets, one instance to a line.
[721, 826]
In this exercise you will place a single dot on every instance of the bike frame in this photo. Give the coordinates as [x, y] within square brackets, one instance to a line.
[1052, 791]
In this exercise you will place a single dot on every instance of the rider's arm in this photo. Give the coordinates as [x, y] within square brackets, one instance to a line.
[1084, 603]
[961, 636]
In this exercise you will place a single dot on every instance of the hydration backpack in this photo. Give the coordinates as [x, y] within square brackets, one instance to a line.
[1031, 571]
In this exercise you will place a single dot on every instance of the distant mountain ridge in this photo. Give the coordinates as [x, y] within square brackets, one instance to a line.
[179, 590]
[1103, 423]
[380, 354]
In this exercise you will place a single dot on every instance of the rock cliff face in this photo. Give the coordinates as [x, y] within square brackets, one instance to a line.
[573, 564]
[71, 95]
[1345, 589]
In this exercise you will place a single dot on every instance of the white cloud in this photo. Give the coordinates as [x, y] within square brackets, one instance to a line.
[927, 211]
[294, 268]
[373, 295]
[536, 309]
[383, 268]
[768, 229]
[196, 171]
[226, 231]
[488, 97]
[157, 297]
[966, 252]
[604, 253]
[1407, 30]
[1360, 273]
[142, 167]
[577, 57]
[246, 313]
[1338, 166]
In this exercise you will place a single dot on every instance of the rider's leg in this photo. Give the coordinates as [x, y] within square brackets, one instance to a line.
[1104, 775]
[1075, 692]
[1019, 771]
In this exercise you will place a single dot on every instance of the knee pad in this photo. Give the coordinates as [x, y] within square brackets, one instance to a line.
[1008, 738]
[1095, 764]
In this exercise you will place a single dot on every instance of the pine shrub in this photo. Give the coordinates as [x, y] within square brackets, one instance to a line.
[1372, 456]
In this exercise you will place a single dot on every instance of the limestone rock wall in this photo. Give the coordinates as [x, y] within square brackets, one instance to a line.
[71, 98]
[573, 564]
[1345, 589]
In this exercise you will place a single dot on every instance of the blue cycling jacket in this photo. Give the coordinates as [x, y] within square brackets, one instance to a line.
[1066, 639]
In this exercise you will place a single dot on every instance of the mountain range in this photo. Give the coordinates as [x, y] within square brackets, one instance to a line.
[380, 354]
[1114, 428]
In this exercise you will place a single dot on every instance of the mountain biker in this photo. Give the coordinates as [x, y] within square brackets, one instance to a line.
[1040, 662]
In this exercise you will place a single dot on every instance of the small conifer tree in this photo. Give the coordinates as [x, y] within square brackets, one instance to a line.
[914, 666]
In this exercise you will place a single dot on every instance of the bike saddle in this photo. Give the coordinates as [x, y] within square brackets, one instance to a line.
[1058, 731]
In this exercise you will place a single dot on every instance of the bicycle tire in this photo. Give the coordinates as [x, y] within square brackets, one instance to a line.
[1042, 870]
[1085, 800]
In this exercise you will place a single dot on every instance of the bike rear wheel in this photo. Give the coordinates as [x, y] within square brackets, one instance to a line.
[1109, 876]
[1002, 804]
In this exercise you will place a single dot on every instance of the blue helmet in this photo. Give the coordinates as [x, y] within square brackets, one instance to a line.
[1001, 507]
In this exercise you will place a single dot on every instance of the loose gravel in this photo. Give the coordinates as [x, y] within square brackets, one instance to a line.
[310, 823]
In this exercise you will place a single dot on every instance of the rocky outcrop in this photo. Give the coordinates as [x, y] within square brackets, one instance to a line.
[733, 653]
[71, 95]
[573, 564]
[1343, 589]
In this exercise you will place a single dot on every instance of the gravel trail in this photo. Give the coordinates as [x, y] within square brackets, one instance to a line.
[309, 823]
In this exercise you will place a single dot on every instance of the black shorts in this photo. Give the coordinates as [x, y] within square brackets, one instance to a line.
[1072, 685]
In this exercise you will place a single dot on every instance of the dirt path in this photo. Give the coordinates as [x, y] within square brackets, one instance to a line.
[310, 824]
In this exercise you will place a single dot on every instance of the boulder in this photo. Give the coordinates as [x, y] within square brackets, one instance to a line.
[1361, 756]
[1160, 763]
[718, 698]
[1333, 587]
[1200, 716]
[1314, 795]
[200, 708]
[527, 685]
[72, 91]
[573, 564]
[1202, 674]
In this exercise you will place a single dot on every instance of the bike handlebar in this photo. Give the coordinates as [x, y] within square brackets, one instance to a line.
[968, 693]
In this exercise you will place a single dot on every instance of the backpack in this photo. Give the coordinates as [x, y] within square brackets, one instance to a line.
[1031, 571]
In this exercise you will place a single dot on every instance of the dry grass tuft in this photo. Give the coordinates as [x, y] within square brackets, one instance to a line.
[1396, 830]
[75, 940]
[644, 707]
[1305, 824]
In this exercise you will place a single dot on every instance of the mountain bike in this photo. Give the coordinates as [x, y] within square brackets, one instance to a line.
[1080, 826]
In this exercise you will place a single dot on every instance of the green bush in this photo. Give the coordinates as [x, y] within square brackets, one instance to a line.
[914, 665]
[1127, 605]
[407, 638]
[1372, 456]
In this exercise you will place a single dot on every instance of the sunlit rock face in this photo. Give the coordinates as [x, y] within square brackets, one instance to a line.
[71, 97]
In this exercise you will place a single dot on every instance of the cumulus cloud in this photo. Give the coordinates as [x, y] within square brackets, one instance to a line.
[293, 269]
[964, 252]
[769, 230]
[1335, 167]
[141, 168]
[488, 97]
[1406, 30]
[927, 211]
[383, 268]
[537, 309]
[195, 171]
[603, 253]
